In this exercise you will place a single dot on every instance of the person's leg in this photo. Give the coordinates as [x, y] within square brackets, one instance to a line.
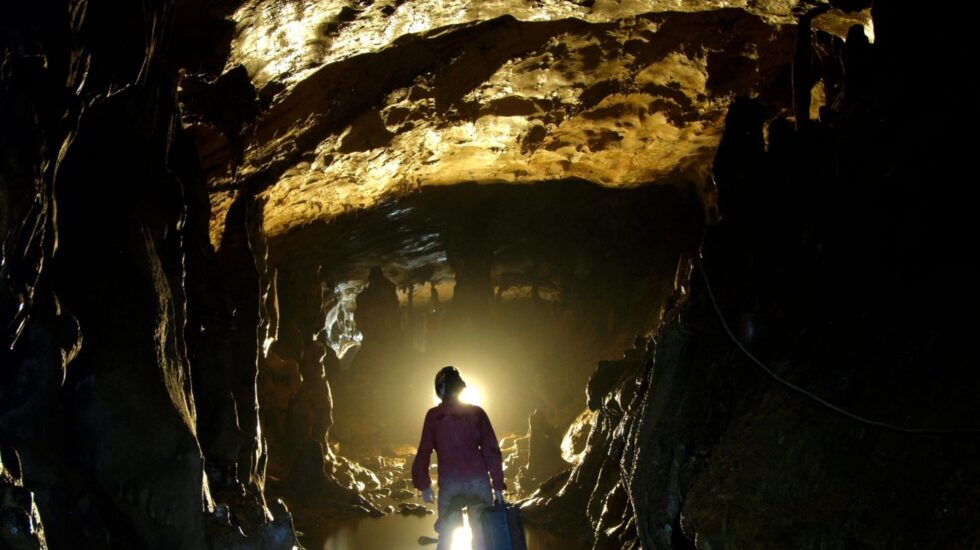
[480, 498]
[453, 497]
[474, 515]
[450, 513]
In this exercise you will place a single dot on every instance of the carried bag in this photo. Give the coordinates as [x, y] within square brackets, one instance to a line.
[499, 527]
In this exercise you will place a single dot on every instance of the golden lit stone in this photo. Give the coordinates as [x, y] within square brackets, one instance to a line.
[385, 99]
[280, 40]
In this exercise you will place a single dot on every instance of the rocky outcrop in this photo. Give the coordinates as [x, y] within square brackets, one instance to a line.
[702, 447]
[20, 522]
[296, 406]
[544, 458]
[103, 202]
[619, 99]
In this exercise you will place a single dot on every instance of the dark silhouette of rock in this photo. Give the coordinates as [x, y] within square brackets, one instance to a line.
[378, 314]
[544, 453]
[738, 161]
[20, 522]
[412, 509]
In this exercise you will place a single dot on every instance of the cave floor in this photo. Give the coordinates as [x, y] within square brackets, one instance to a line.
[398, 532]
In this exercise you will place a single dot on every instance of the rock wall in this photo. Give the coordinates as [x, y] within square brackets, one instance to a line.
[620, 97]
[296, 406]
[129, 345]
[824, 268]
[20, 521]
[133, 315]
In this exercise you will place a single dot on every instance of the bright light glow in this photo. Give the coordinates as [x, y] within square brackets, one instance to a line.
[462, 537]
[471, 394]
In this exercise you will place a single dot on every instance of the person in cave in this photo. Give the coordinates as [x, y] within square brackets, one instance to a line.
[470, 462]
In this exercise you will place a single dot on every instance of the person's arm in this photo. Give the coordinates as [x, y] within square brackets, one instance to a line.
[491, 453]
[420, 467]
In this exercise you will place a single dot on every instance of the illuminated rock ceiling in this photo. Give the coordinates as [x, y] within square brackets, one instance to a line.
[370, 100]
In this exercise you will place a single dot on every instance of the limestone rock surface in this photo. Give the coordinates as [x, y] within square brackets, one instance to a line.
[365, 100]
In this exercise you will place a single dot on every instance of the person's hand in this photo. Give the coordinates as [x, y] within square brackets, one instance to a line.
[428, 495]
[498, 497]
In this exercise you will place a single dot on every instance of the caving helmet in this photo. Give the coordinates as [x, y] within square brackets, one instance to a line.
[449, 382]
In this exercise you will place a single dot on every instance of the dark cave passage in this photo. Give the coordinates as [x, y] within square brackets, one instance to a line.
[523, 288]
[707, 270]
[569, 274]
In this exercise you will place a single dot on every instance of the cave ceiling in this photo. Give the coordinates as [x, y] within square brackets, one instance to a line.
[363, 103]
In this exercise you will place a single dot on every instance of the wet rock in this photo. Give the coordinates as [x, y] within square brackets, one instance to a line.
[533, 98]
[412, 509]
[225, 530]
[698, 447]
[20, 521]
[550, 486]
[544, 453]
[364, 478]
[402, 494]
[316, 491]
[607, 376]
[515, 452]
[573, 444]
[115, 446]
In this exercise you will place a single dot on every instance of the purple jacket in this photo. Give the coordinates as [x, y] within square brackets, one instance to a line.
[464, 441]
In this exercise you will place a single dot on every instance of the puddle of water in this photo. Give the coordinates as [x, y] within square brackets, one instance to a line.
[398, 532]
[393, 531]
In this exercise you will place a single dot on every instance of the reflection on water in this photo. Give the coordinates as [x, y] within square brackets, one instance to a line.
[397, 532]
[393, 531]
